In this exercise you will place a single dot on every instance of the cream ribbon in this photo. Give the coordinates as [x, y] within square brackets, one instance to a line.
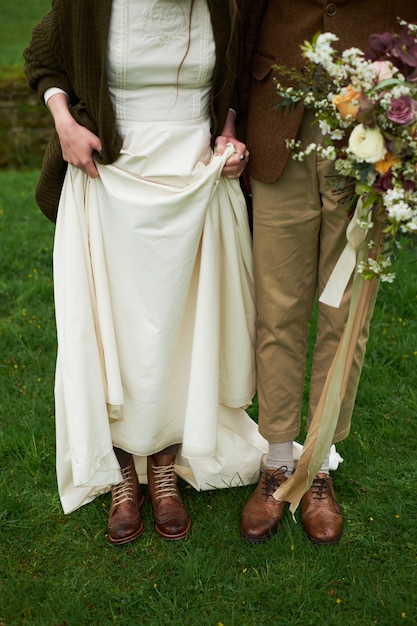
[356, 234]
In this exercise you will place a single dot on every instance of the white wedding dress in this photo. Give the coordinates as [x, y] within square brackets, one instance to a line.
[153, 276]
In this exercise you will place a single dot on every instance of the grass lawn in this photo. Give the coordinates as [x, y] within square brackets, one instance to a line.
[58, 570]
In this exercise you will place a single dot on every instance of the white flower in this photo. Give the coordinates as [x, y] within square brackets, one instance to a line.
[388, 278]
[393, 195]
[365, 223]
[322, 52]
[400, 211]
[352, 55]
[337, 134]
[328, 152]
[325, 127]
[367, 144]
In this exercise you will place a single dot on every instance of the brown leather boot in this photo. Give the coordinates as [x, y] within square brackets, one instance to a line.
[321, 516]
[262, 513]
[171, 518]
[125, 523]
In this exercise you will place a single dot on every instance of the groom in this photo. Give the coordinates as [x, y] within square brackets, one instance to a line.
[299, 231]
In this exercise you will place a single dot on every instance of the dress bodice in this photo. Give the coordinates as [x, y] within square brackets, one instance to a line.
[159, 64]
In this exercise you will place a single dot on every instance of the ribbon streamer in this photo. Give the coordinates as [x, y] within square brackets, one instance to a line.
[356, 235]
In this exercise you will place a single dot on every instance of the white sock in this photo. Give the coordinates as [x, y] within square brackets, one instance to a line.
[280, 455]
[325, 466]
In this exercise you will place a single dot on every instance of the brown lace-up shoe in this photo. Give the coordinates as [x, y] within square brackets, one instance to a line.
[125, 523]
[171, 518]
[262, 513]
[321, 516]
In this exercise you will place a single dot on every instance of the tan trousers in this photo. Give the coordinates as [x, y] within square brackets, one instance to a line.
[299, 234]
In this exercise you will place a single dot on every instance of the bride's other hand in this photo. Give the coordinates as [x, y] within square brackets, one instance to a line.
[236, 163]
[77, 143]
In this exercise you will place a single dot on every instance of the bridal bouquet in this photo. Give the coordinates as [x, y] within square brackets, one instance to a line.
[366, 106]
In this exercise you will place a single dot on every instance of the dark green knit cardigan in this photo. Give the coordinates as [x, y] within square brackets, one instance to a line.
[68, 50]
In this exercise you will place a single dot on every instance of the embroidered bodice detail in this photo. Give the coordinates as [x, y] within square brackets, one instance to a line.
[159, 67]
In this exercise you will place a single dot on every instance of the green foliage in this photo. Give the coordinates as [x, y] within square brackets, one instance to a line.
[60, 570]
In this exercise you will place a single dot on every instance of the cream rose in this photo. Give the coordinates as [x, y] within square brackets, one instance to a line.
[367, 144]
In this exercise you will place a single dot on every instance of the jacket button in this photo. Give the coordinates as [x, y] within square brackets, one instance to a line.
[331, 9]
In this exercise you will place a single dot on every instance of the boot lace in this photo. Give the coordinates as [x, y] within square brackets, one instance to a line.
[272, 482]
[123, 492]
[318, 488]
[320, 491]
[165, 481]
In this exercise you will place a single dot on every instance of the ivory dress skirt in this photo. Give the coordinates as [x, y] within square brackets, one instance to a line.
[153, 276]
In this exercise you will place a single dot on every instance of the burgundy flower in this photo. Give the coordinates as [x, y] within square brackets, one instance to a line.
[404, 52]
[409, 185]
[386, 181]
[379, 46]
[402, 110]
[383, 182]
[400, 49]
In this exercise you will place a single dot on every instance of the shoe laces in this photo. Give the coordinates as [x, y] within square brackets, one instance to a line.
[123, 492]
[320, 491]
[318, 488]
[271, 483]
[165, 481]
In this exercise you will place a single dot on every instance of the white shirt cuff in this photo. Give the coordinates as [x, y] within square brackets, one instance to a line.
[51, 92]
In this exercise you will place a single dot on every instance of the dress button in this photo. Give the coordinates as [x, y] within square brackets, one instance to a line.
[331, 9]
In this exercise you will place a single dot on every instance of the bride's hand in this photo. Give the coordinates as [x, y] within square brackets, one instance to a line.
[77, 142]
[236, 163]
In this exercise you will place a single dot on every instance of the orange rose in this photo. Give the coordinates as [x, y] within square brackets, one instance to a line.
[386, 163]
[347, 103]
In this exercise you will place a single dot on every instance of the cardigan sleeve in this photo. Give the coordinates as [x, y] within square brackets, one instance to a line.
[43, 57]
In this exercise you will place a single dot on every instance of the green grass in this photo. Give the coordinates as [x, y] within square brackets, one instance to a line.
[60, 570]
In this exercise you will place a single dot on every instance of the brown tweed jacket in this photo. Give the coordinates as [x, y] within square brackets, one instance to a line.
[274, 33]
[68, 50]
